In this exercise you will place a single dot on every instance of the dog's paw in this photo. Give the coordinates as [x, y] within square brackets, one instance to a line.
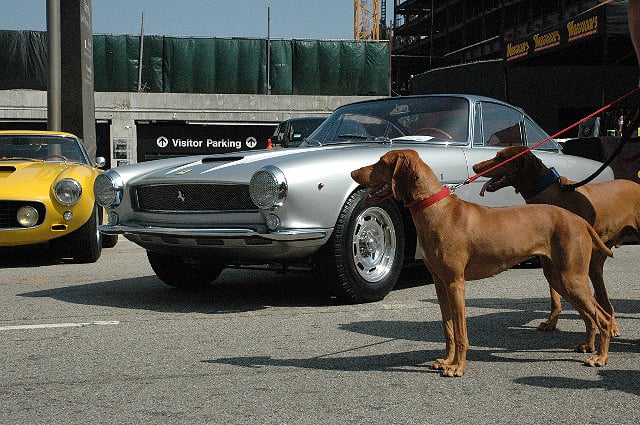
[597, 360]
[547, 325]
[585, 347]
[454, 370]
[615, 329]
[440, 364]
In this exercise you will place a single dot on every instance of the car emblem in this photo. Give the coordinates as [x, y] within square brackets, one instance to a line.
[181, 196]
[179, 173]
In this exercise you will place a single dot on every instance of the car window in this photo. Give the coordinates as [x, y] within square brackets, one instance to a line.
[446, 124]
[280, 129]
[501, 125]
[443, 118]
[41, 148]
[302, 128]
[364, 127]
[536, 135]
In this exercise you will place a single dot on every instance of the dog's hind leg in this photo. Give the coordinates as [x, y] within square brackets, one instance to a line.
[597, 280]
[575, 289]
[553, 277]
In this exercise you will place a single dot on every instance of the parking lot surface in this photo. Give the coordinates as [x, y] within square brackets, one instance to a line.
[109, 343]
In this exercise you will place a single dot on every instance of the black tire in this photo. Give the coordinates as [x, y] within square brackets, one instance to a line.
[365, 253]
[84, 245]
[109, 241]
[183, 273]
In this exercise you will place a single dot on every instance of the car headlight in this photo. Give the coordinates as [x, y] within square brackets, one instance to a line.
[67, 191]
[27, 216]
[268, 187]
[107, 189]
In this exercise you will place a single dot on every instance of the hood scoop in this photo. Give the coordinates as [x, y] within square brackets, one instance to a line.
[7, 169]
[212, 159]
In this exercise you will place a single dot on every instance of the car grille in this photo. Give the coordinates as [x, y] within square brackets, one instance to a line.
[194, 197]
[9, 209]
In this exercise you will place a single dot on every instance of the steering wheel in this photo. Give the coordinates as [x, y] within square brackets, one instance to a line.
[424, 130]
[55, 156]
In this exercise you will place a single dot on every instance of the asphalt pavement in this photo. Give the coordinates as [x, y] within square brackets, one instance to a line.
[109, 343]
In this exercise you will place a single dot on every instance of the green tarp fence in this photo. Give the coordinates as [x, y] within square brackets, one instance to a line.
[209, 65]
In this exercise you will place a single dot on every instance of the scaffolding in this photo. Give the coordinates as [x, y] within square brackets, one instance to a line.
[366, 19]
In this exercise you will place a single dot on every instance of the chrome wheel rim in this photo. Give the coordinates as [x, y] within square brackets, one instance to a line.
[374, 244]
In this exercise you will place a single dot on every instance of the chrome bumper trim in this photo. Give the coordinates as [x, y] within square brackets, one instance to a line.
[281, 235]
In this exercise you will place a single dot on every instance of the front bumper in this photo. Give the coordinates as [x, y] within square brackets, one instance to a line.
[233, 245]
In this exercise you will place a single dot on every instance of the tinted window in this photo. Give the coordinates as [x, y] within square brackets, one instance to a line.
[535, 135]
[501, 126]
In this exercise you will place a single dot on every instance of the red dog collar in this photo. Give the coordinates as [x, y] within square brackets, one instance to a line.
[419, 206]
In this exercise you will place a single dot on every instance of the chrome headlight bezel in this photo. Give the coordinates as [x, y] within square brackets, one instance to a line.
[108, 188]
[67, 191]
[268, 188]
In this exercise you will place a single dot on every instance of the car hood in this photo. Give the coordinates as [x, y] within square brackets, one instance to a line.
[34, 177]
[240, 166]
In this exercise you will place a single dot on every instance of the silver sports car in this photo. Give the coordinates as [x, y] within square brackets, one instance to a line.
[292, 208]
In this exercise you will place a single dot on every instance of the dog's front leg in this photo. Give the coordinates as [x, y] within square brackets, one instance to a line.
[455, 294]
[447, 325]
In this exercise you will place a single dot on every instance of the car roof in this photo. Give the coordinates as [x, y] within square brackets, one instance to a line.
[470, 97]
[37, 132]
[307, 119]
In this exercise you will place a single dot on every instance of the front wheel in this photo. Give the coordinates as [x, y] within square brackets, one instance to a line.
[183, 273]
[84, 245]
[365, 253]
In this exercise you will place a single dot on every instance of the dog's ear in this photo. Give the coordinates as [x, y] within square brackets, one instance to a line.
[404, 178]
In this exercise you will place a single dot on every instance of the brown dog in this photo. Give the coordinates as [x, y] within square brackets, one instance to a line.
[611, 207]
[465, 241]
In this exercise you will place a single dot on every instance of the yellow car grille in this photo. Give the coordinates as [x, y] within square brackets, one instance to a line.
[9, 209]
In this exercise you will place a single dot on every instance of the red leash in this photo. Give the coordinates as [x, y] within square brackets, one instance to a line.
[599, 111]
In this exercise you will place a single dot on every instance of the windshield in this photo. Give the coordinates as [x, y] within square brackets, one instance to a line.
[442, 118]
[40, 147]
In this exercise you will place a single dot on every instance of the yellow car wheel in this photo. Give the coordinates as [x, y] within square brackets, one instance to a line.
[84, 245]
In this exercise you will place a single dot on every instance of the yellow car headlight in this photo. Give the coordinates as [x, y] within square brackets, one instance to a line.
[27, 216]
[68, 191]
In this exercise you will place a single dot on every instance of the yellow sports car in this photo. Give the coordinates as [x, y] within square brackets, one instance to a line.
[46, 194]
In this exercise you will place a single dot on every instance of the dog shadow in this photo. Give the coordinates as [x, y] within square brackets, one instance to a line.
[611, 380]
[409, 361]
[494, 337]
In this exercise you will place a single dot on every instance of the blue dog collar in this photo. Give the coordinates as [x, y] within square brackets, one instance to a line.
[547, 180]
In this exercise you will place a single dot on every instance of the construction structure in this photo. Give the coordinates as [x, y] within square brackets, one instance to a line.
[366, 19]
[558, 59]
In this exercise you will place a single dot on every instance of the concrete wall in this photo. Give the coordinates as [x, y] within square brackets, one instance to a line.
[122, 110]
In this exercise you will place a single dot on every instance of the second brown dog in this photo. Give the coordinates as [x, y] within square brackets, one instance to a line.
[465, 241]
[611, 207]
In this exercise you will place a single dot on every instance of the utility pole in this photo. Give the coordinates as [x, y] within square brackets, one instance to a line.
[54, 86]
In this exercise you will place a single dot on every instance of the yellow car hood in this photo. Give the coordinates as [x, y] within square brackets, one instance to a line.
[20, 179]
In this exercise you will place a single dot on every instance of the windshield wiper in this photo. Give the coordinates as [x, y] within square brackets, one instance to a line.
[18, 158]
[353, 136]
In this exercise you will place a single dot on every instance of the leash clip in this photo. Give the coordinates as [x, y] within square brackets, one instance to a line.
[453, 186]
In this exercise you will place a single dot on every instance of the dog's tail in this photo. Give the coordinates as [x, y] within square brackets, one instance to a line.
[597, 242]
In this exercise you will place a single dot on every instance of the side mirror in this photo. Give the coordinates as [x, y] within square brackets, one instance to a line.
[100, 161]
